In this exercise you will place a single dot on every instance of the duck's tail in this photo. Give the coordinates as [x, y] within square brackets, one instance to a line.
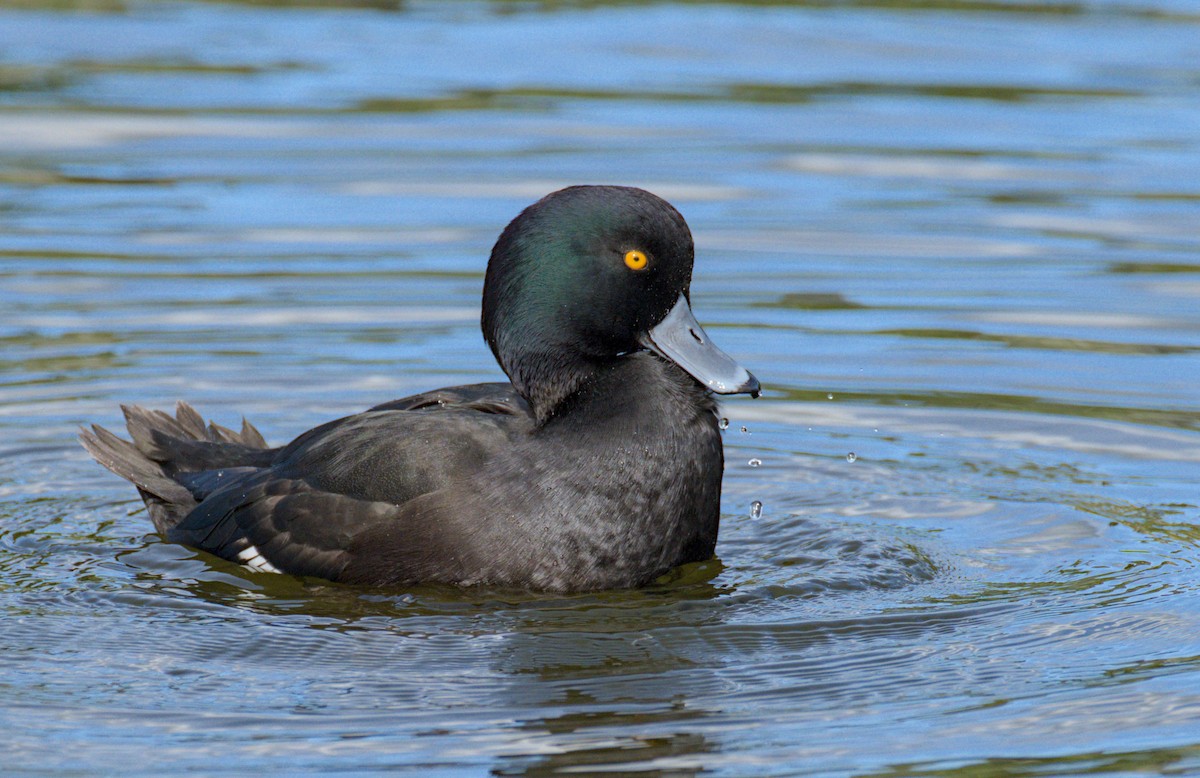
[167, 452]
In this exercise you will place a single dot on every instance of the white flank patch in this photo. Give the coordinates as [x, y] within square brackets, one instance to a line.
[251, 558]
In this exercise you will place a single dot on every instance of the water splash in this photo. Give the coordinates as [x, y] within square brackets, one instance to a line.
[852, 457]
[723, 423]
[756, 509]
[754, 462]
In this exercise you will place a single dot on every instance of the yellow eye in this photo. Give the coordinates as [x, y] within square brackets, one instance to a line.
[636, 260]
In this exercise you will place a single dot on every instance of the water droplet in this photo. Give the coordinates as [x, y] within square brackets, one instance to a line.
[756, 509]
[851, 457]
[724, 423]
[745, 430]
[830, 395]
[754, 462]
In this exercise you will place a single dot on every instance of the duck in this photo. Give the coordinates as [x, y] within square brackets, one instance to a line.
[597, 465]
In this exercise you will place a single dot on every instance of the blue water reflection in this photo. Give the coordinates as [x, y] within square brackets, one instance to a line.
[957, 239]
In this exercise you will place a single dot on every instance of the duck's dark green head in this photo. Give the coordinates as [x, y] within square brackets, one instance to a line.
[590, 273]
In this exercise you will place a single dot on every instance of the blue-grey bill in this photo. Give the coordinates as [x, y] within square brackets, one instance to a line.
[681, 339]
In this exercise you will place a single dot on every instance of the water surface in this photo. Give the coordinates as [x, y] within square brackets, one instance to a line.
[957, 241]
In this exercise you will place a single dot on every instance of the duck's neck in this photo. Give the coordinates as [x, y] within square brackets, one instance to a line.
[548, 379]
[627, 387]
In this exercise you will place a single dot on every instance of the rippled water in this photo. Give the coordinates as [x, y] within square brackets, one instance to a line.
[959, 242]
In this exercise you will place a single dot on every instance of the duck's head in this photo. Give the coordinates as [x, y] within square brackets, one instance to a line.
[586, 275]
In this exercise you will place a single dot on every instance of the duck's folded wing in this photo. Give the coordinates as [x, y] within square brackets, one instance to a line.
[281, 525]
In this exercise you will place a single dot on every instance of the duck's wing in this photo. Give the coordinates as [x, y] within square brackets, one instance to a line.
[279, 525]
[295, 509]
[337, 492]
